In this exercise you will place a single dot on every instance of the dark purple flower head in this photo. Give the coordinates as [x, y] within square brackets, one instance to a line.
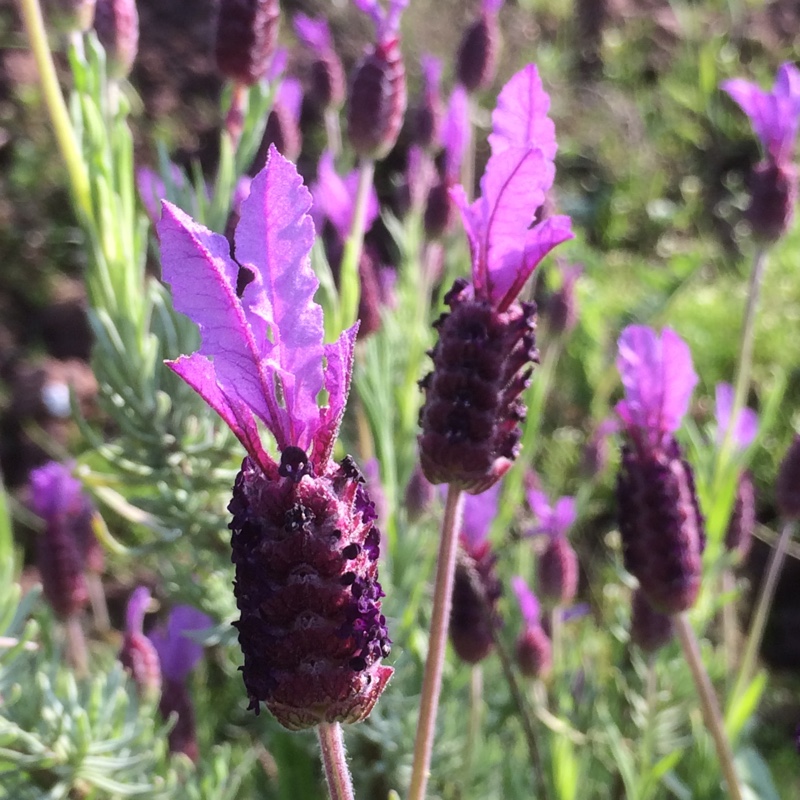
[533, 647]
[283, 123]
[775, 115]
[650, 629]
[658, 379]
[470, 420]
[746, 428]
[787, 484]
[428, 114]
[247, 32]
[377, 98]
[67, 540]
[327, 74]
[304, 540]
[476, 61]
[659, 516]
[138, 654]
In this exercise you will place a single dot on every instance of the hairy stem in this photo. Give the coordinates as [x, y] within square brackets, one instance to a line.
[334, 761]
[708, 703]
[440, 621]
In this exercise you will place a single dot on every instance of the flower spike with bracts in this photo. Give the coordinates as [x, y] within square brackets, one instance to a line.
[305, 544]
[481, 364]
[659, 517]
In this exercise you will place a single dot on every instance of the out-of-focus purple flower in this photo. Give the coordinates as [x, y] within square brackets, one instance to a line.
[562, 307]
[283, 123]
[650, 629]
[476, 587]
[775, 117]
[152, 189]
[557, 565]
[659, 517]
[787, 483]
[377, 98]
[313, 648]
[178, 655]
[420, 177]
[116, 23]
[533, 648]
[427, 120]
[327, 74]
[138, 654]
[476, 61]
[595, 454]
[247, 32]
[67, 540]
[420, 493]
[470, 437]
[746, 428]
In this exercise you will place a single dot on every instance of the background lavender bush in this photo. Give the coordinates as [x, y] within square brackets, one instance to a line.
[652, 168]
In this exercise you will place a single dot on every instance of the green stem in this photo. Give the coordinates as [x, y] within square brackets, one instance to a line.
[334, 761]
[56, 107]
[475, 715]
[77, 653]
[708, 703]
[762, 611]
[651, 699]
[349, 280]
[333, 131]
[440, 621]
[730, 634]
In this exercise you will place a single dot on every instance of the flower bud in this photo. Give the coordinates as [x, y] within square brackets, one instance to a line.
[476, 62]
[327, 81]
[661, 525]
[534, 653]
[739, 535]
[247, 33]
[305, 548]
[116, 23]
[773, 196]
[440, 211]
[472, 413]
[557, 571]
[650, 629]
[787, 485]
[474, 616]
[377, 100]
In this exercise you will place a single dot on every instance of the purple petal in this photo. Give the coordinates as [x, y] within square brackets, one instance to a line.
[431, 72]
[338, 373]
[492, 6]
[658, 379]
[277, 66]
[55, 491]
[540, 505]
[290, 96]
[564, 514]
[152, 188]
[479, 512]
[178, 654]
[373, 9]
[528, 604]
[420, 175]
[746, 425]
[520, 118]
[137, 607]
[455, 132]
[332, 200]
[373, 207]
[314, 33]
[274, 239]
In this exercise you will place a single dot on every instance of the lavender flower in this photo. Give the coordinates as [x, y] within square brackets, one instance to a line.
[283, 123]
[533, 649]
[429, 112]
[775, 117]
[377, 99]
[247, 33]
[419, 494]
[476, 62]
[305, 545]
[178, 655]
[742, 522]
[116, 23]
[67, 541]
[557, 567]
[562, 307]
[476, 588]
[327, 75]
[470, 419]
[659, 516]
[138, 654]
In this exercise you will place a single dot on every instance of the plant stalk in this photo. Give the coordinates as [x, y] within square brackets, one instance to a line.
[708, 703]
[334, 761]
[440, 621]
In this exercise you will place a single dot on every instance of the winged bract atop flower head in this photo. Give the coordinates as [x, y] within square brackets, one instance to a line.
[262, 355]
[658, 378]
[554, 520]
[775, 115]
[746, 427]
[455, 132]
[178, 653]
[314, 32]
[479, 512]
[387, 23]
[528, 604]
[505, 248]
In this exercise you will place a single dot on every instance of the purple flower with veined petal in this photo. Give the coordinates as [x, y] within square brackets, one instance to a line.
[775, 117]
[312, 647]
[178, 655]
[476, 587]
[377, 98]
[470, 419]
[67, 542]
[659, 517]
[533, 648]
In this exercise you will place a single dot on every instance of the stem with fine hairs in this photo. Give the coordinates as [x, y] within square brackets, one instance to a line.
[334, 761]
[440, 621]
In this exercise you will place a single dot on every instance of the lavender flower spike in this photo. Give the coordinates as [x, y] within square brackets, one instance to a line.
[775, 117]
[304, 540]
[659, 516]
[470, 420]
[327, 74]
[534, 649]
